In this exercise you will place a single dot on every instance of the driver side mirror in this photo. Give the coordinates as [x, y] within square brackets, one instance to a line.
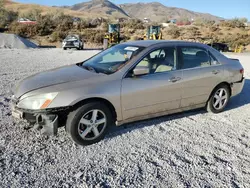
[140, 70]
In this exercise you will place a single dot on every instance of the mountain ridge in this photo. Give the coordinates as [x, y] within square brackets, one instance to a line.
[158, 12]
[155, 11]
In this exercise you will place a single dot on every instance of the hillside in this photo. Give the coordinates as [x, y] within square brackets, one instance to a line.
[23, 8]
[100, 7]
[106, 9]
[157, 12]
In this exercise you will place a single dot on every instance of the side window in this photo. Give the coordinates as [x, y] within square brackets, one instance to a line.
[155, 54]
[161, 60]
[191, 57]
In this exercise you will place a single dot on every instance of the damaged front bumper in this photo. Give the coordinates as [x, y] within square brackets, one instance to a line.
[44, 121]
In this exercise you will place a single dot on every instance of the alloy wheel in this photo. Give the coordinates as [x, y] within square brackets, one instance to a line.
[220, 99]
[92, 124]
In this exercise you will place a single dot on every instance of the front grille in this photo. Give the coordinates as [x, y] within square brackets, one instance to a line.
[70, 43]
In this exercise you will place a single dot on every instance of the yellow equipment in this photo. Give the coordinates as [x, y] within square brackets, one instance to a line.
[239, 49]
[113, 36]
[153, 33]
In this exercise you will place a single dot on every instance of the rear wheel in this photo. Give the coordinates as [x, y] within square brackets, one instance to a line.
[88, 124]
[218, 99]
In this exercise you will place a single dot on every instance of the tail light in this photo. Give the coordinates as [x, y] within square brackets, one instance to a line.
[242, 71]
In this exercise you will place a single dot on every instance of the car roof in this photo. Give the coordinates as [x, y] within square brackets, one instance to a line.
[147, 43]
[73, 35]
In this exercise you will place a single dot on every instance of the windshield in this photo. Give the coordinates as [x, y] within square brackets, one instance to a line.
[112, 59]
[72, 37]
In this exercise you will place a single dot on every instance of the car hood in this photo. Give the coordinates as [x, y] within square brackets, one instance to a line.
[53, 77]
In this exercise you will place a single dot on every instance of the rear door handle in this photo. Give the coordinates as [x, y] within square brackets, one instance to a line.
[215, 71]
[174, 79]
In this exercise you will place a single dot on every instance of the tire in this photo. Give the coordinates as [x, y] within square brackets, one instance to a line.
[87, 127]
[64, 48]
[217, 101]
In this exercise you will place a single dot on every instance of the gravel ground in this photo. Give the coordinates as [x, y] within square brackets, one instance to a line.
[193, 149]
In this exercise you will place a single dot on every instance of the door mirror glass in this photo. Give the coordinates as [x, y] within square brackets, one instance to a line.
[140, 70]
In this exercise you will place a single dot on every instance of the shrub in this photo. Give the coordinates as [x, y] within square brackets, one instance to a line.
[54, 37]
[203, 22]
[214, 29]
[234, 23]
[64, 22]
[6, 17]
[94, 36]
[193, 31]
[58, 36]
[45, 25]
[98, 38]
[135, 37]
[174, 32]
[23, 30]
[84, 24]
[133, 24]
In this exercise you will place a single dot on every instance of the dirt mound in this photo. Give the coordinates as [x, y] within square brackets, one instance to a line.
[11, 41]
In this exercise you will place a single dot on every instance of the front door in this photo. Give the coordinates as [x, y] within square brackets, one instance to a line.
[157, 91]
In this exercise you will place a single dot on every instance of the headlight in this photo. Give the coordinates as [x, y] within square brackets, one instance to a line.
[37, 102]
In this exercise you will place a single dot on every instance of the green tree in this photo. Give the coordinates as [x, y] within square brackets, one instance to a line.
[2, 14]
[6, 16]
[1, 4]
[243, 20]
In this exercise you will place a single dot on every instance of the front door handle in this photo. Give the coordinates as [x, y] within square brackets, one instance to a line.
[174, 79]
[215, 71]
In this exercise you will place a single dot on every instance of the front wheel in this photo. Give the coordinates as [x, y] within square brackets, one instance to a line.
[218, 99]
[88, 124]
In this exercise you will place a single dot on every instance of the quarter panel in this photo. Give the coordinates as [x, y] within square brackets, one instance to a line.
[233, 68]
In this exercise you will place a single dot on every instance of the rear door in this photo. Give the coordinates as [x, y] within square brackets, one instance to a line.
[201, 74]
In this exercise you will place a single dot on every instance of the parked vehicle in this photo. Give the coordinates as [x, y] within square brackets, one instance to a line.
[26, 21]
[125, 83]
[73, 41]
[220, 47]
